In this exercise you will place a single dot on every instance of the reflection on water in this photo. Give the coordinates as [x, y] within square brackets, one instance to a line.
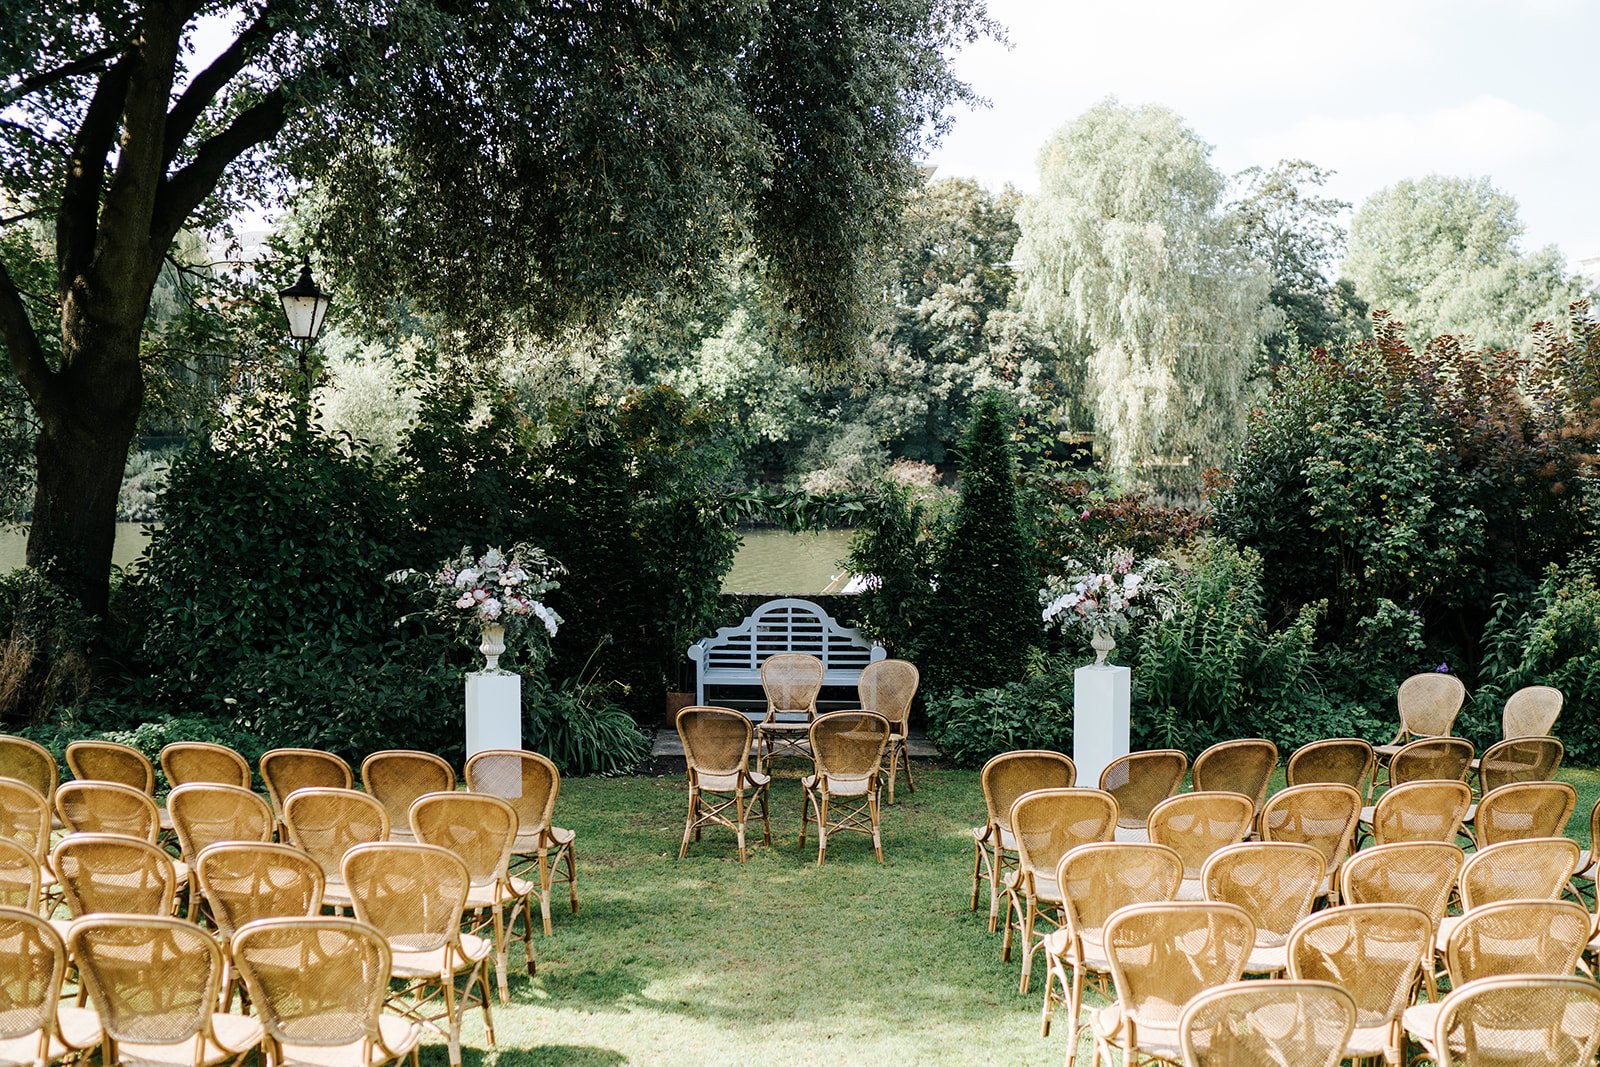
[126, 551]
[776, 561]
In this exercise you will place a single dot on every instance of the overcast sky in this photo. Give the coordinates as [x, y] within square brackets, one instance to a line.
[1377, 90]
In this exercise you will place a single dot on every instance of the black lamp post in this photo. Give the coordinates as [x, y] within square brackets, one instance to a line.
[305, 305]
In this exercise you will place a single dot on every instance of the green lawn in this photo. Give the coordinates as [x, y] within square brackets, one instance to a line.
[709, 962]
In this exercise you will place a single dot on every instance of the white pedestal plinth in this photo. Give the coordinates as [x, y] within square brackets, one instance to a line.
[494, 712]
[1100, 698]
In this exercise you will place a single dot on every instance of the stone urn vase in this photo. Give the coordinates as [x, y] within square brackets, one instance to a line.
[1103, 644]
[493, 646]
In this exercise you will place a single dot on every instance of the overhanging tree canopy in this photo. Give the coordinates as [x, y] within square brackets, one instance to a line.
[500, 163]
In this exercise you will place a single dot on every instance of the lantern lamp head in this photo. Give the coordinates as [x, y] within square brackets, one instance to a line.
[305, 305]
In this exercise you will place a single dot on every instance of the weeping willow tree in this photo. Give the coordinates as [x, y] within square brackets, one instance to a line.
[1127, 248]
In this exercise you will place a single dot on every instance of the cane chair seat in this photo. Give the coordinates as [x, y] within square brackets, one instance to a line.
[1522, 810]
[1243, 1024]
[1242, 766]
[200, 762]
[1428, 810]
[888, 686]
[847, 750]
[1004, 778]
[1162, 956]
[1095, 880]
[72, 1031]
[1373, 952]
[1323, 815]
[319, 986]
[1517, 1021]
[285, 770]
[1197, 824]
[34, 1026]
[1343, 760]
[1275, 882]
[327, 823]
[397, 777]
[154, 981]
[1048, 824]
[531, 784]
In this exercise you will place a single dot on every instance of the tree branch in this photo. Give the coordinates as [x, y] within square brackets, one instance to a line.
[86, 169]
[182, 192]
[208, 83]
[22, 343]
[34, 82]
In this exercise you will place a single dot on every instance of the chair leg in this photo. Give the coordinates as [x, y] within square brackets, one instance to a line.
[688, 823]
[822, 827]
[905, 757]
[546, 876]
[894, 764]
[488, 1017]
[877, 836]
[805, 814]
[738, 811]
[572, 874]
[502, 956]
[453, 1037]
[766, 823]
[994, 885]
[1027, 946]
[977, 869]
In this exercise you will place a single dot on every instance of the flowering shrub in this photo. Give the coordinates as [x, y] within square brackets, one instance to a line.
[1123, 589]
[495, 589]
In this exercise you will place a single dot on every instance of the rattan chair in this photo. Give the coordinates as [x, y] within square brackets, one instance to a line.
[154, 982]
[1519, 759]
[1275, 882]
[1428, 705]
[887, 686]
[25, 820]
[1005, 778]
[35, 1027]
[200, 762]
[20, 877]
[1521, 810]
[319, 986]
[205, 814]
[847, 765]
[1531, 711]
[1323, 815]
[1194, 825]
[414, 895]
[1140, 781]
[1243, 766]
[1096, 880]
[94, 807]
[791, 682]
[31, 763]
[107, 761]
[1588, 866]
[327, 823]
[1518, 1021]
[716, 749]
[1162, 956]
[530, 783]
[243, 882]
[1419, 811]
[1048, 824]
[283, 770]
[1267, 1024]
[1344, 760]
[480, 830]
[1374, 952]
[397, 777]
[103, 874]
[1422, 874]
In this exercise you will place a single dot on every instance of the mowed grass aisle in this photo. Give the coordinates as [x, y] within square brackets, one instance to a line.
[708, 962]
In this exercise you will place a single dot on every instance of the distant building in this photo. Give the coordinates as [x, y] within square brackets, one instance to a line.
[1589, 269]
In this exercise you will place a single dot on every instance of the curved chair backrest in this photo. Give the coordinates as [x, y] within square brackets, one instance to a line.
[1275, 882]
[1098, 878]
[1321, 814]
[1247, 1023]
[397, 777]
[411, 893]
[1422, 874]
[317, 981]
[1531, 711]
[1523, 810]
[205, 814]
[887, 686]
[190, 762]
[1050, 822]
[1195, 825]
[285, 770]
[791, 681]
[1242, 766]
[1010, 774]
[1373, 950]
[107, 761]
[1164, 955]
[716, 744]
[1429, 759]
[245, 882]
[1345, 760]
[20, 877]
[25, 817]
[1429, 810]
[1520, 759]
[1429, 703]
[103, 873]
[1517, 937]
[1532, 869]
[33, 962]
[478, 827]
[527, 781]
[327, 823]
[848, 746]
[1141, 780]
[31, 763]
[153, 979]
[1520, 1020]
[93, 807]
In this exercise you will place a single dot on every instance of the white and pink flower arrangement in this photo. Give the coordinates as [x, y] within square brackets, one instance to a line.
[501, 592]
[1105, 600]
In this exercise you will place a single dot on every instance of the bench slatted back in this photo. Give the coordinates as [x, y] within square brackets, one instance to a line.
[734, 656]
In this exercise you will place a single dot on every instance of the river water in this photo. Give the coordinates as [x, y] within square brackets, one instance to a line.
[127, 549]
